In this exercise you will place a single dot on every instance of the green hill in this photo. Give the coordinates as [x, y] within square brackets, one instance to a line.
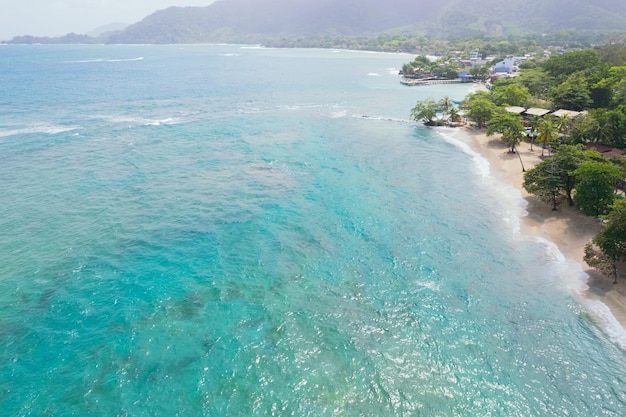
[258, 21]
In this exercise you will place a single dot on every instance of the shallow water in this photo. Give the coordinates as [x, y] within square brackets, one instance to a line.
[226, 230]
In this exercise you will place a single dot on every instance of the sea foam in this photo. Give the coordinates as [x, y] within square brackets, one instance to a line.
[48, 129]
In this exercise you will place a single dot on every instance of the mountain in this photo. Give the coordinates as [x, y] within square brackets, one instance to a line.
[270, 18]
[504, 18]
[107, 29]
[250, 20]
[261, 21]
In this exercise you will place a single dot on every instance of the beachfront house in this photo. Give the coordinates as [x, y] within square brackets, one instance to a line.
[535, 111]
[569, 113]
[515, 109]
[508, 65]
[505, 66]
[466, 77]
[420, 73]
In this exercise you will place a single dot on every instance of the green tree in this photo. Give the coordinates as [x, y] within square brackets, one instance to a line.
[422, 61]
[447, 70]
[481, 110]
[446, 105]
[596, 258]
[611, 242]
[546, 132]
[613, 53]
[557, 173]
[425, 111]
[537, 81]
[511, 95]
[572, 94]
[407, 69]
[563, 124]
[480, 72]
[612, 238]
[509, 125]
[595, 187]
[534, 123]
[609, 127]
[544, 181]
[618, 83]
[562, 66]
[582, 130]
[454, 115]
[568, 158]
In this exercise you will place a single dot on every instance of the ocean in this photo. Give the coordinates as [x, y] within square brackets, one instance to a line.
[226, 230]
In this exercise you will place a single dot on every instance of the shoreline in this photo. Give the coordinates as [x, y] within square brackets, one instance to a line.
[567, 228]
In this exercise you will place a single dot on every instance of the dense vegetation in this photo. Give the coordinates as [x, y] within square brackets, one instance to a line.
[593, 82]
[421, 44]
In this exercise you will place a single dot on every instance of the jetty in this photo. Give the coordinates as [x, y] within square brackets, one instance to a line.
[429, 81]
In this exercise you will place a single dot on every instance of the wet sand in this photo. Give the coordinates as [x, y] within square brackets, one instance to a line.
[567, 227]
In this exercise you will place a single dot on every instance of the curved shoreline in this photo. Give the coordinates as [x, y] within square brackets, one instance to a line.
[567, 228]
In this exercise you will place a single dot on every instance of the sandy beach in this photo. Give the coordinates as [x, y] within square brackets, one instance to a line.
[569, 229]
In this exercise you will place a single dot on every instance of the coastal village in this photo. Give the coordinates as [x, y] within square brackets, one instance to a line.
[507, 67]
[484, 71]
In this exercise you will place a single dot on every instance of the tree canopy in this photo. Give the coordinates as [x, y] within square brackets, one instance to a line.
[612, 238]
[509, 125]
[479, 107]
[425, 111]
[510, 95]
[595, 187]
[558, 173]
[562, 66]
[609, 245]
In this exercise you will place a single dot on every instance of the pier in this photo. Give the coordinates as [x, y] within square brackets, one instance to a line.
[410, 82]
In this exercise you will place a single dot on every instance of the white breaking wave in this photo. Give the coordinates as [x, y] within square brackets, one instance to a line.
[47, 129]
[514, 205]
[479, 160]
[602, 315]
[575, 279]
[87, 61]
[142, 121]
[387, 119]
[166, 121]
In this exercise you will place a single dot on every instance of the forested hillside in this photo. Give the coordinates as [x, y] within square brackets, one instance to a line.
[247, 20]
[274, 21]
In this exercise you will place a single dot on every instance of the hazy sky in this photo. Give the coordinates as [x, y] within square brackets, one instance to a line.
[59, 17]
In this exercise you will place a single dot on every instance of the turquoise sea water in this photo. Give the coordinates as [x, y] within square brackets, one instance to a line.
[238, 231]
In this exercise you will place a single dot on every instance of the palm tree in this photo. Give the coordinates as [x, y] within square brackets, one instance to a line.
[446, 105]
[564, 125]
[454, 114]
[534, 125]
[547, 132]
[601, 132]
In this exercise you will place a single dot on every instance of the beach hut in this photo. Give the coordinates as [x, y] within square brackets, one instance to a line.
[515, 109]
[535, 111]
[569, 113]
[466, 77]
